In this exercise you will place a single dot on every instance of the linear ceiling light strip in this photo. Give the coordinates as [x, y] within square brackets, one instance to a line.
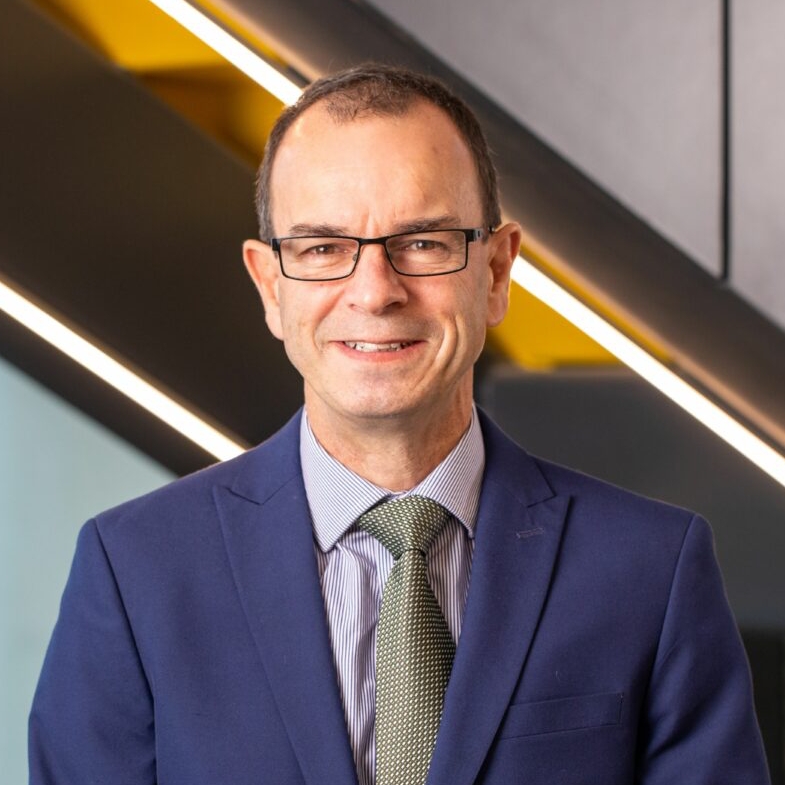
[232, 49]
[117, 375]
[653, 371]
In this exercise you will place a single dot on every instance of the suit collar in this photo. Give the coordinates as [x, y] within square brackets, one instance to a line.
[509, 465]
[263, 470]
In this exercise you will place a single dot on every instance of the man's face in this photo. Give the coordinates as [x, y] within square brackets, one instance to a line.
[377, 344]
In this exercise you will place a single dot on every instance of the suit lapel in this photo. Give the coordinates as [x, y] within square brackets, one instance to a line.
[518, 533]
[268, 535]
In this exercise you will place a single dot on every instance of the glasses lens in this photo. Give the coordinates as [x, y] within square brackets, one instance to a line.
[318, 258]
[428, 253]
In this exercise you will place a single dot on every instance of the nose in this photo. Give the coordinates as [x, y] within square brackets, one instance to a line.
[374, 286]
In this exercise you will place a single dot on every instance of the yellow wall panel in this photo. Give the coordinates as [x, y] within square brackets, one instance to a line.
[536, 337]
[224, 103]
[134, 34]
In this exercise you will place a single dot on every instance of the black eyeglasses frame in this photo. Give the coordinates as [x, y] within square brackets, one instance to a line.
[471, 235]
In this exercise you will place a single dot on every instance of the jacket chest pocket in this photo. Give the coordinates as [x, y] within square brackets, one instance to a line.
[562, 714]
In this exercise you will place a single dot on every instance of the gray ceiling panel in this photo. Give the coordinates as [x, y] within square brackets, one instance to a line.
[758, 155]
[627, 92]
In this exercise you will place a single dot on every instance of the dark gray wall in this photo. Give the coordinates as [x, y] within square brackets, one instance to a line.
[127, 221]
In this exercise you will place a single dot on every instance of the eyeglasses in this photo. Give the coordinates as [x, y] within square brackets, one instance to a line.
[436, 252]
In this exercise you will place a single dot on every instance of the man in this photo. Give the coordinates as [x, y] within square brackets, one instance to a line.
[261, 622]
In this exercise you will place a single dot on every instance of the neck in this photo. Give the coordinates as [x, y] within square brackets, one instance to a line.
[391, 452]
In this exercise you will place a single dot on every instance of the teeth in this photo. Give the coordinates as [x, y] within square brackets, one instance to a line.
[361, 346]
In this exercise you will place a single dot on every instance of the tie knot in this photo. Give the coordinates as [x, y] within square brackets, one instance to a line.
[409, 523]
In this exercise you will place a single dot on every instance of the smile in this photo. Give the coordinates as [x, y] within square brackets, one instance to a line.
[362, 346]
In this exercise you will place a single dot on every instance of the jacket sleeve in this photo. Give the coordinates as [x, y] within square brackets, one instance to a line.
[699, 725]
[92, 715]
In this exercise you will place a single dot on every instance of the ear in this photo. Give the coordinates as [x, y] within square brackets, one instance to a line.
[263, 268]
[504, 245]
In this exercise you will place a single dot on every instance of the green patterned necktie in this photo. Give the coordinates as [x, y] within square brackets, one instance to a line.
[414, 648]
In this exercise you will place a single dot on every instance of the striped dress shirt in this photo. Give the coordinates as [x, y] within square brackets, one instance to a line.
[353, 565]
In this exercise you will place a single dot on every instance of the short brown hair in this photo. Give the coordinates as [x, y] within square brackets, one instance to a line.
[375, 89]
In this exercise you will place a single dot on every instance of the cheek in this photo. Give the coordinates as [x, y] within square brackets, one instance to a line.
[474, 309]
[302, 311]
[273, 317]
[465, 322]
[288, 311]
[296, 339]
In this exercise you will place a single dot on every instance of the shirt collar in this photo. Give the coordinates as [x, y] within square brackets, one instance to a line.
[337, 496]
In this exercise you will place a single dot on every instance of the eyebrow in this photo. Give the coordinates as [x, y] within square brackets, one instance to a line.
[417, 225]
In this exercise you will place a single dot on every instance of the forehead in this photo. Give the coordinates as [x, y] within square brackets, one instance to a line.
[375, 169]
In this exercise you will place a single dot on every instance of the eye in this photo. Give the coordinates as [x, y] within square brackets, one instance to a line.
[324, 249]
[320, 247]
[422, 245]
[419, 245]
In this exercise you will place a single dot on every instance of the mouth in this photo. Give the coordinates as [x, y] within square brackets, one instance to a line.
[364, 346]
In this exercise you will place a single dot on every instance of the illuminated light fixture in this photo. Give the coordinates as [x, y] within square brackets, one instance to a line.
[658, 375]
[232, 49]
[117, 375]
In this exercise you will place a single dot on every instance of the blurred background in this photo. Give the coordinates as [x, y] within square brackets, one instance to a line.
[639, 144]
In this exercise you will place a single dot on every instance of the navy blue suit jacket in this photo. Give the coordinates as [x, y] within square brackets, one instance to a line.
[192, 647]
